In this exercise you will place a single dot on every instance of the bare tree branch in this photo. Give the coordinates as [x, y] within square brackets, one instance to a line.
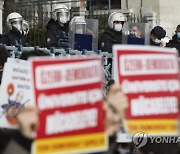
[9, 6]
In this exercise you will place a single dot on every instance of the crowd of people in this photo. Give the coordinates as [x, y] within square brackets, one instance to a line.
[115, 104]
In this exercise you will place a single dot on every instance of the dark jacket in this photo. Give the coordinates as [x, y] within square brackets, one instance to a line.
[154, 44]
[109, 38]
[13, 38]
[57, 36]
[18, 144]
[174, 43]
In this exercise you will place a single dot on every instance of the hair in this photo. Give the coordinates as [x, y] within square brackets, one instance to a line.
[34, 53]
[159, 32]
[135, 25]
[178, 26]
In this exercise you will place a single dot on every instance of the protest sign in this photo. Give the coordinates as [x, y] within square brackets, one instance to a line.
[149, 76]
[15, 91]
[68, 93]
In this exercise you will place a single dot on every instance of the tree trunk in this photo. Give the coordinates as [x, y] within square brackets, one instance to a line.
[9, 7]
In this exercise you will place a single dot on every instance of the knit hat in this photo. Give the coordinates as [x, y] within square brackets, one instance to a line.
[159, 32]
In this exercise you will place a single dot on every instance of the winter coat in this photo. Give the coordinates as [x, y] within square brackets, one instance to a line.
[154, 44]
[108, 39]
[174, 43]
[18, 145]
[13, 38]
[57, 35]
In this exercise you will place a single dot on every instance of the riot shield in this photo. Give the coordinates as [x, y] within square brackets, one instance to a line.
[83, 34]
[136, 33]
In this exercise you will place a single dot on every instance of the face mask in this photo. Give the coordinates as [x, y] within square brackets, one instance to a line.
[63, 19]
[118, 27]
[79, 31]
[133, 34]
[178, 35]
[18, 27]
[157, 41]
[123, 151]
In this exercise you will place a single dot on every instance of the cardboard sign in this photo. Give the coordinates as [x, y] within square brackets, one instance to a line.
[149, 76]
[15, 92]
[68, 93]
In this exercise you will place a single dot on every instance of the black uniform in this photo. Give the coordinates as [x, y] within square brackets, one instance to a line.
[13, 38]
[109, 38]
[174, 43]
[57, 36]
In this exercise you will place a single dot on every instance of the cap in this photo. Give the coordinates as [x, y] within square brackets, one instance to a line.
[123, 138]
[159, 32]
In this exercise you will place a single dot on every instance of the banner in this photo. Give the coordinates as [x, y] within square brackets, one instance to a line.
[15, 91]
[68, 93]
[149, 76]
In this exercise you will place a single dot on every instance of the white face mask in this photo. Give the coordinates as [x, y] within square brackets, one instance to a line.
[18, 27]
[178, 35]
[79, 31]
[157, 41]
[118, 27]
[123, 151]
[62, 17]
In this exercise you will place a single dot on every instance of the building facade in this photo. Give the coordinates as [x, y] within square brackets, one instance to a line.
[155, 12]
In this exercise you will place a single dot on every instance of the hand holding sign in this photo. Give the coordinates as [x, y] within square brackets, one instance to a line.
[115, 106]
[28, 121]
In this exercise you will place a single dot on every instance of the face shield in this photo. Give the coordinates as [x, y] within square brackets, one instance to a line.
[80, 28]
[17, 23]
[25, 28]
[63, 16]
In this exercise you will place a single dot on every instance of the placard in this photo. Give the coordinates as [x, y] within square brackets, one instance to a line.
[68, 93]
[149, 76]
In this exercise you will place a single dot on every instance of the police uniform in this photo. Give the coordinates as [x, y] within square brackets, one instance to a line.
[57, 35]
[13, 38]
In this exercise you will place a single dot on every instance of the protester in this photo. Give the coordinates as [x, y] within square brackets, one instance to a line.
[115, 106]
[156, 36]
[135, 31]
[5, 134]
[123, 143]
[27, 54]
[175, 42]
[21, 141]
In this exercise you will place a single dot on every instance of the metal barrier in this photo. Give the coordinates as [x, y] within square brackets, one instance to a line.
[38, 13]
[16, 51]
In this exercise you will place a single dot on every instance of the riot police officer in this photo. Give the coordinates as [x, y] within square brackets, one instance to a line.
[14, 37]
[113, 35]
[57, 27]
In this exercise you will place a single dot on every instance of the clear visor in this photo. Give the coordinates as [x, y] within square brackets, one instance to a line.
[16, 20]
[80, 28]
[17, 24]
[63, 16]
[25, 26]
